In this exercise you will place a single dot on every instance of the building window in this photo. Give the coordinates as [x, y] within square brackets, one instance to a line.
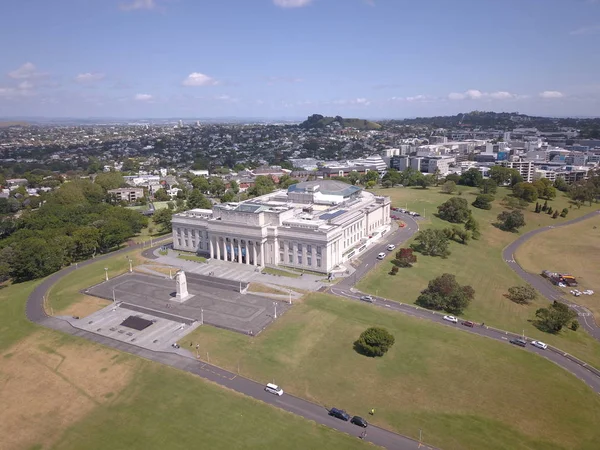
[193, 233]
[178, 231]
[193, 243]
[201, 244]
[318, 262]
[281, 245]
[186, 243]
[300, 248]
[290, 246]
[318, 249]
[309, 261]
[300, 259]
[291, 259]
[179, 241]
[281, 257]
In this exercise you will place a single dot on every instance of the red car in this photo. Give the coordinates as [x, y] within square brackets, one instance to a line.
[468, 323]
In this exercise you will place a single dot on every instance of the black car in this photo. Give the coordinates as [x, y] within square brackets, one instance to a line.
[339, 414]
[359, 421]
[520, 342]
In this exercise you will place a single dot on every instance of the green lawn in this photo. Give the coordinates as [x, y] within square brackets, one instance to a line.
[14, 326]
[479, 264]
[191, 257]
[168, 409]
[280, 273]
[66, 291]
[463, 391]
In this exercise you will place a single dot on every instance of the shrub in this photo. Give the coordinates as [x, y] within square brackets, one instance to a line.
[405, 258]
[455, 210]
[555, 215]
[575, 325]
[550, 210]
[522, 294]
[511, 221]
[483, 201]
[444, 293]
[374, 341]
[432, 242]
[394, 270]
[564, 212]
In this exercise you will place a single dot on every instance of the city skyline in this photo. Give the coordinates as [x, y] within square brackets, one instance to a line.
[292, 58]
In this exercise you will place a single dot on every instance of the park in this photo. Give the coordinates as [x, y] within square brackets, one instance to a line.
[427, 374]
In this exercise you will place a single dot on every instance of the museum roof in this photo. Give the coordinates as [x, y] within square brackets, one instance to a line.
[326, 187]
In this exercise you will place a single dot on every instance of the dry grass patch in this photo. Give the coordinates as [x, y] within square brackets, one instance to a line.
[84, 307]
[48, 383]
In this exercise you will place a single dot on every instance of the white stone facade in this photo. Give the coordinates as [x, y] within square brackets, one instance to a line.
[315, 226]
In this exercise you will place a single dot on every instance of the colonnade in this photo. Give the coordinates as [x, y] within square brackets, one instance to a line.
[232, 249]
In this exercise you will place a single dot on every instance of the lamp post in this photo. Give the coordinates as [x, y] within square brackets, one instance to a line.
[201, 316]
[290, 291]
[130, 264]
[106, 274]
[114, 298]
[275, 306]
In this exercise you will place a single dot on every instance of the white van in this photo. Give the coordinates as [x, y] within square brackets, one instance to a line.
[274, 389]
[381, 256]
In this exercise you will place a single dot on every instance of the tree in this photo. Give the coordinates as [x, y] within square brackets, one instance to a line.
[448, 187]
[522, 294]
[545, 188]
[555, 317]
[488, 186]
[129, 165]
[217, 186]
[35, 258]
[538, 207]
[455, 210]
[374, 341]
[574, 325]
[555, 215]
[227, 197]
[202, 184]
[458, 234]
[110, 180]
[483, 201]
[425, 181]
[405, 257]
[160, 195]
[550, 210]
[86, 241]
[501, 175]
[526, 191]
[394, 270]
[432, 242]
[197, 200]
[471, 177]
[453, 177]
[392, 175]
[564, 212]
[162, 218]
[286, 181]
[234, 186]
[561, 184]
[511, 221]
[444, 293]
[354, 178]
[473, 226]
[262, 185]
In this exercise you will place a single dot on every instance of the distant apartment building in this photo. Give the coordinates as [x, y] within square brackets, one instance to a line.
[525, 168]
[425, 164]
[127, 194]
[548, 174]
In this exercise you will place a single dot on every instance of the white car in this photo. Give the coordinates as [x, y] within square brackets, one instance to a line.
[539, 344]
[274, 389]
[391, 247]
[367, 298]
[381, 256]
[588, 292]
[451, 319]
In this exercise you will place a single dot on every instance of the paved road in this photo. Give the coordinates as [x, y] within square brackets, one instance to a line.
[312, 411]
[546, 288]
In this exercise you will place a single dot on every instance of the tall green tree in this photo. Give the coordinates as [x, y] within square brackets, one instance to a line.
[432, 242]
[197, 200]
[471, 177]
[455, 210]
[555, 317]
[445, 293]
[511, 220]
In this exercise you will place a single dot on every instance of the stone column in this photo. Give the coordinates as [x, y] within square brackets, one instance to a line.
[212, 250]
[225, 248]
[247, 246]
[218, 239]
[254, 253]
[262, 254]
[239, 248]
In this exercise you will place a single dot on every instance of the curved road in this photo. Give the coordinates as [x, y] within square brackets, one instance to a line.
[546, 288]
[318, 413]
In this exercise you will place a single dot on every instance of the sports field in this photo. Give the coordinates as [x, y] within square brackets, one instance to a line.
[574, 249]
[463, 391]
[479, 264]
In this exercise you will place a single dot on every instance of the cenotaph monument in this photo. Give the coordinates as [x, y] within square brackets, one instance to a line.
[181, 283]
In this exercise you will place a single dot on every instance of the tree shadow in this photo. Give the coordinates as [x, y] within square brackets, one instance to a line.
[360, 350]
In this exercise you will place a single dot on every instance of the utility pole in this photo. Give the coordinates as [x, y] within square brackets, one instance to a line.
[106, 274]
[201, 316]
[130, 264]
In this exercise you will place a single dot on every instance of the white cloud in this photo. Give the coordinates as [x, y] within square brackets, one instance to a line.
[551, 94]
[456, 96]
[143, 97]
[89, 77]
[292, 3]
[502, 95]
[414, 99]
[474, 94]
[26, 71]
[199, 79]
[584, 31]
[138, 4]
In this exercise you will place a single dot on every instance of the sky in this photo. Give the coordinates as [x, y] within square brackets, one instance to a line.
[293, 58]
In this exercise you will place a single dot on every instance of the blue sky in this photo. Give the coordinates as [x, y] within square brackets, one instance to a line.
[291, 58]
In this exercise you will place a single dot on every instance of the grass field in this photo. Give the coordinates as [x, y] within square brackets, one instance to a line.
[280, 273]
[462, 391]
[191, 257]
[479, 264]
[574, 249]
[62, 392]
[66, 292]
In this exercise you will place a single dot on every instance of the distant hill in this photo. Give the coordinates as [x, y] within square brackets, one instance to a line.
[319, 121]
[13, 124]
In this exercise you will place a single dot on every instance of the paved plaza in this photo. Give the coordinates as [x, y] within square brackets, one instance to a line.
[212, 301]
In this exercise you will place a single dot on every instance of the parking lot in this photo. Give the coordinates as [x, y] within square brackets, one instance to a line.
[209, 304]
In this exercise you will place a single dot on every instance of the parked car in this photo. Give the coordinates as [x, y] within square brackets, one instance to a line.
[381, 256]
[451, 319]
[539, 344]
[356, 420]
[391, 247]
[339, 414]
[519, 341]
[274, 389]
[468, 323]
[367, 298]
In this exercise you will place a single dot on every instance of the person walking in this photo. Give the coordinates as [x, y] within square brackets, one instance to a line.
[372, 412]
